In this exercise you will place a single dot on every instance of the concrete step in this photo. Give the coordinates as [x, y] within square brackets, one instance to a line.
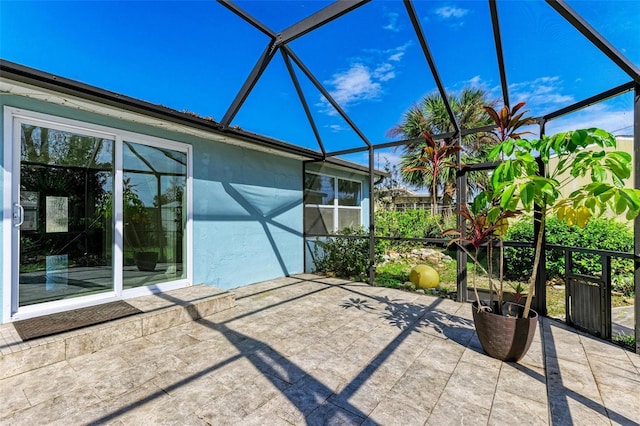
[159, 312]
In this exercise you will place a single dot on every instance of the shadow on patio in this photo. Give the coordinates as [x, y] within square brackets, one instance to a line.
[312, 350]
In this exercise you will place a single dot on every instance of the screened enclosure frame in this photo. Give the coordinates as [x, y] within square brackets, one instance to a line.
[279, 42]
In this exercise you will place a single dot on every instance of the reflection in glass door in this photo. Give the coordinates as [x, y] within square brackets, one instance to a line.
[154, 197]
[65, 194]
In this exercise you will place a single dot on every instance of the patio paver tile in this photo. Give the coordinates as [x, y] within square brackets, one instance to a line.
[620, 408]
[617, 373]
[327, 351]
[452, 411]
[419, 386]
[12, 399]
[528, 382]
[395, 410]
[52, 409]
[472, 383]
[277, 412]
[518, 408]
[365, 391]
[58, 380]
[241, 401]
[329, 414]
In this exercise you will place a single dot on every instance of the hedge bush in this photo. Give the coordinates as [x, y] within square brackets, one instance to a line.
[410, 223]
[344, 257]
[600, 234]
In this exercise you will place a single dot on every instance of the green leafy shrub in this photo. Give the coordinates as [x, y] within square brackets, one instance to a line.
[624, 283]
[410, 223]
[344, 257]
[600, 234]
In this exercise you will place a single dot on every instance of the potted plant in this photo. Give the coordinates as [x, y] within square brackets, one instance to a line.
[519, 184]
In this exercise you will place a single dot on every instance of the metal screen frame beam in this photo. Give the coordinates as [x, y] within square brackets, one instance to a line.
[540, 285]
[383, 145]
[636, 222]
[318, 19]
[596, 38]
[432, 63]
[497, 38]
[325, 93]
[249, 84]
[303, 100]
[372, 219]
[247, 17]
[461, 223]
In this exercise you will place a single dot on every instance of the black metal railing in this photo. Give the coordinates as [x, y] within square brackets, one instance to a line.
[588, 297]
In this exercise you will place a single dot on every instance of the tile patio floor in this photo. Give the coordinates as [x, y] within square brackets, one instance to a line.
[312, 350]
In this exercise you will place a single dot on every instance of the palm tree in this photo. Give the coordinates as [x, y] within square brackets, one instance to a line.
[431, 116]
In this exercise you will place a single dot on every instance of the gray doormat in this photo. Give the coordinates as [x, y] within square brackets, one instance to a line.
[47, 325]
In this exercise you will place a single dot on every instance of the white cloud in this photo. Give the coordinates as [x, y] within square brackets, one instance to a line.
[475, 81]
[396, 57]
[335, 128]
[353, 85]
[447, 12]
[615, 120]
[362, 82]
[541, 94]
[384, 72]
[396, 54]
[493, 92]
[392, 25]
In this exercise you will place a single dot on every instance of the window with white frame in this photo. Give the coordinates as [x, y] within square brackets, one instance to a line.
[331, 203]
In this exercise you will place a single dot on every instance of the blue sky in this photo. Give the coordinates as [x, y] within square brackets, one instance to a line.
[195, 56]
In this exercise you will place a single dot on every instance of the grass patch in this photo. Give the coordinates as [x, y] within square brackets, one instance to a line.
[392, 274]
[627, 341]
[396, 274]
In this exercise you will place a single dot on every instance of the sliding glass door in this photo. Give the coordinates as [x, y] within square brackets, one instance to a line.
[65, 235]
[96, 214]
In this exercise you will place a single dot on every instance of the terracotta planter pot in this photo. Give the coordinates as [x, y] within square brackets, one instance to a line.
[506, 338]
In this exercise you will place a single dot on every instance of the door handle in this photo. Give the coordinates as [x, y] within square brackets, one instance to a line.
[18, 215]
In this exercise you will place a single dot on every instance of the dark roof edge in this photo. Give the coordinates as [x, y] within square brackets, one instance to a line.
[31, 76]
[349, 165]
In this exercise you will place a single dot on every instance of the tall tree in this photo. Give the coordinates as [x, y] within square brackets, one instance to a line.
[431, 116]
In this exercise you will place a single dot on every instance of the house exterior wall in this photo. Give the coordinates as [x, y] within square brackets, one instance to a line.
[247, 216]
[247, 204]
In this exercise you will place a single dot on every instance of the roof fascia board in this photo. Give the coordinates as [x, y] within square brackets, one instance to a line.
[594, 37]
[318, 19]
[24, 81]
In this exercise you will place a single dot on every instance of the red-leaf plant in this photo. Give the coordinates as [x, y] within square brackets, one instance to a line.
[488, 218]
[484, 223]
[436, 155]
